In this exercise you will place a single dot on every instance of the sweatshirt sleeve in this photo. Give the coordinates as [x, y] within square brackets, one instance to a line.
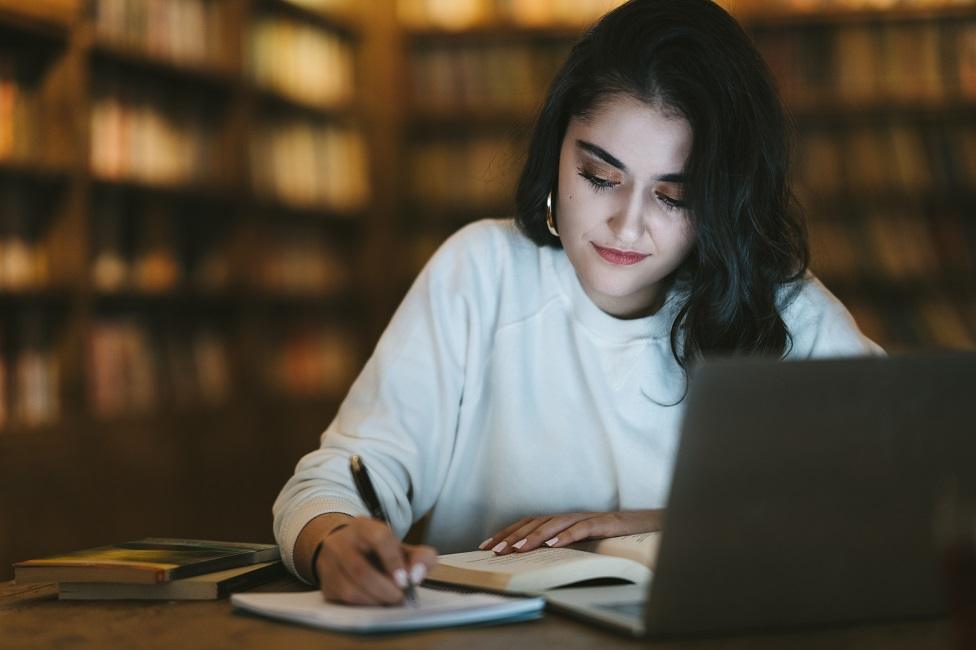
[401, 413]
[821, 326]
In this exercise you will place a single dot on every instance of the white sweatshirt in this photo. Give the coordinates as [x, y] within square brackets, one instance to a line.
[499, 390]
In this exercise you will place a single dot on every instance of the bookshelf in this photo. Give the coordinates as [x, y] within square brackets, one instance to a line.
[882, 96]
[884, 109]
[202, 238]
[474, 74]
[184, 202]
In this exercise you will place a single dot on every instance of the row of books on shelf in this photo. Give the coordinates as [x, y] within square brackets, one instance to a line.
[303, 263]
[500, 77]
[146, 136]
[184, 31]
[930, 322]
[154, 252]
[19, 111]
[887, 156]
[313, 360]
[135, 369]
[30, 384]
[307, 164]
[469, 172]
[24, 260]
[466, 14]
[309, 63]
[868, 64]
[895, 248]
[146, 248]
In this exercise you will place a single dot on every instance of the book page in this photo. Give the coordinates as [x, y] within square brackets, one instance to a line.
[642, 547]
[513, 562]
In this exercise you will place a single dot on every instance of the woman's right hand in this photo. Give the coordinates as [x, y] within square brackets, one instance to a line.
[362, 562]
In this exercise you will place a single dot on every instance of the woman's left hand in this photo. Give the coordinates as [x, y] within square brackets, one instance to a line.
[561, 530]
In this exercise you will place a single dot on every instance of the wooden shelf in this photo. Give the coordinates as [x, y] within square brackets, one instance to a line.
[174, 298]
[14, 435]
[460, 119]
[21, 24]
[335, 21]
[283, 302]
[889, 289]
[35, 171]
[886, 109]
[107, 51]
[190, 190]
[823, 206]
[839, 17]
[270, 207]
[274, 99]
[494, 33]
[447, 218]
[52, 296]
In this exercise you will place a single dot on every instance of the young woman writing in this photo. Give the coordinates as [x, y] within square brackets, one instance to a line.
[529, 389]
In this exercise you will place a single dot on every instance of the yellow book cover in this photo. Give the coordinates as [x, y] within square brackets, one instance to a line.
[145, 561]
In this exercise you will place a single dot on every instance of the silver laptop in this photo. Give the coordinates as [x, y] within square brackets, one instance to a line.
[805, 493]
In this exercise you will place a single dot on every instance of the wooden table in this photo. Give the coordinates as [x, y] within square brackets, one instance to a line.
[32, 617]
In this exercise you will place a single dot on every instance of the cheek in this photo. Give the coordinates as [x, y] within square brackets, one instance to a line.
[679, 238]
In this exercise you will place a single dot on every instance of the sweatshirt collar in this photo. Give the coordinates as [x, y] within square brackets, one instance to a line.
[585, 311]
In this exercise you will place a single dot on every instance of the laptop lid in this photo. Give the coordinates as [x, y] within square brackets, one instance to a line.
[807, 492]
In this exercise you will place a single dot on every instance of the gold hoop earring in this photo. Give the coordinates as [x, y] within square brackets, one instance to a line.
[550, 222]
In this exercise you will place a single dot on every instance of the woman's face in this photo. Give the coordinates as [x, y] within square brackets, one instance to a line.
[619, 212]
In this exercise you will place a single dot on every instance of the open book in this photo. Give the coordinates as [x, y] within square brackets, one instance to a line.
[434, 608]
[629, 558]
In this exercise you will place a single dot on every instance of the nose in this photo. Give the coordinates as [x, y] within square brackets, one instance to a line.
[628, 223]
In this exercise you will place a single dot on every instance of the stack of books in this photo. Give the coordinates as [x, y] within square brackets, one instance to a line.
[155, 569]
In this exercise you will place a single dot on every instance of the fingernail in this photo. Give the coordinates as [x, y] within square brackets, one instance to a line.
[400, 578]
[417, 573]
[553, 541]
[483, 545]
[499, 547]
[520, 543]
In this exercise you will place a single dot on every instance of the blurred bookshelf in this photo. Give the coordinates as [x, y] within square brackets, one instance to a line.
[882, 95]
[185, 189]
[210, 208]
[884, 105]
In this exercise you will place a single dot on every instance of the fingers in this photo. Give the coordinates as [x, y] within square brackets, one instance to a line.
[363, 564]
[377, 539]
[420, 559]
[515, 540]
[341, 585]
[495, 540]
[558, 530]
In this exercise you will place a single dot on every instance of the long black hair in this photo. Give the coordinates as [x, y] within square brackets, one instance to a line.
[691, 58]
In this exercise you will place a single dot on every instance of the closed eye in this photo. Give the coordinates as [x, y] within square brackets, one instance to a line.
[670, 202]
[599, 184]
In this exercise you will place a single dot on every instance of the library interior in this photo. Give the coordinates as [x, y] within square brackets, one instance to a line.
[210, 209]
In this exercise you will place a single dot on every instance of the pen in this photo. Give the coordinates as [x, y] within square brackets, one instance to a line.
[366, 492]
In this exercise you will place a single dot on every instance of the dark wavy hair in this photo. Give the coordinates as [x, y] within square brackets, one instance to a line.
[691, 58]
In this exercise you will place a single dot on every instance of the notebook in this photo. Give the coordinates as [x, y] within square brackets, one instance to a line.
[435, 608]
[804, 493]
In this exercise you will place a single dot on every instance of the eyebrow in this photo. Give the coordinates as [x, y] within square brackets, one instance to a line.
[610, 159]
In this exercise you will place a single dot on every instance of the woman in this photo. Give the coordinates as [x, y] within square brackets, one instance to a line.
[529, 389]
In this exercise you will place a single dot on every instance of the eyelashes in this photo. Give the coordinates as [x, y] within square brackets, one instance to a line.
[602, 184]
[599, 184]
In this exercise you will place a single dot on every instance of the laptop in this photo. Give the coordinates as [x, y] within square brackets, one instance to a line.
[805, 493]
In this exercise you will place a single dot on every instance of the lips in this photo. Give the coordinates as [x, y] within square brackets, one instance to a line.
[621, 258]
